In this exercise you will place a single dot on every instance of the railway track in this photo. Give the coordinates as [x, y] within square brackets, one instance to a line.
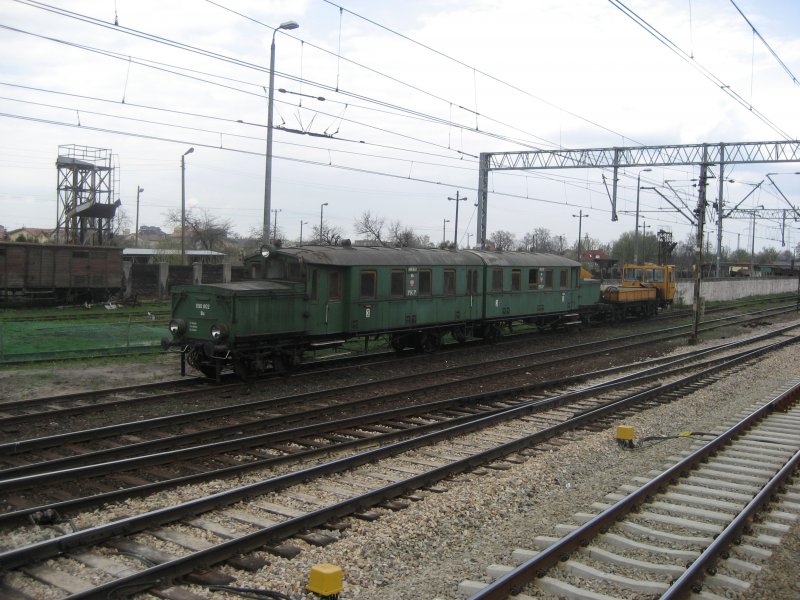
[140, 457]
[78, 407]
[312, 501]
[705, 524]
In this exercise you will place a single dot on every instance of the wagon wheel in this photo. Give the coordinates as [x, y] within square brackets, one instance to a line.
[430, 342]
[209, 371]
[493, 333]
[242, 370]
[396, 342]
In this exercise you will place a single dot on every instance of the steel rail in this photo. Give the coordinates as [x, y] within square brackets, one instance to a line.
[69, 467]
[514, 581]
[49, 548]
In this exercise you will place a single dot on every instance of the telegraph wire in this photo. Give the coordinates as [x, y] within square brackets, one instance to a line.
[218, 56]
[774, 54]
[663, 39]
[362, 170]
[478, 71]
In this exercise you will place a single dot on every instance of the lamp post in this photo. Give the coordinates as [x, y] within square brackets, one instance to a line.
[321, 206]
[139, 190]
[275, 223]
[636, 231]
[444, 222]
[457, 199]
[268, 175]
[580, 216]
[753, 241]
[301, 230]
[645, 227]
[183, 205]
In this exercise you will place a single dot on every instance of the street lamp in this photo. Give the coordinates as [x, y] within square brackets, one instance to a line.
[580, 216]
[139, 190]
[455, 234]
[321, 206]
[183, 205]
[275, 223]
[301, 230]
[268, 176]
[444, 222]
[645, 227]
[753, 241]
[636, 232]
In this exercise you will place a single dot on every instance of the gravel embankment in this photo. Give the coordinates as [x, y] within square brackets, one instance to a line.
[427, 549]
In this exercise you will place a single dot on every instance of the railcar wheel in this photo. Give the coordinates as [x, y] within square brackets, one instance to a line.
[242, 370]
[209, 371]
[430, 342]
[493, 333]
[397, 342]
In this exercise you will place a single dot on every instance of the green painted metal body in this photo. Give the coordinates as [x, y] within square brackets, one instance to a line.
[316, 294]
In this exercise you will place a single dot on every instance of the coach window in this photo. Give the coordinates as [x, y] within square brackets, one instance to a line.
[562, 278]
[497, 280]
[334, 285]
[548, 279]
[398, 283]
[533, 279]
[425, 282]
[516, 280]
[313, 293]
[449, 282]
[368, 284]
[472, 282]
[658, 275]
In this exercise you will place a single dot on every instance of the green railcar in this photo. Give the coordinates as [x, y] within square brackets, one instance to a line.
[314, 296]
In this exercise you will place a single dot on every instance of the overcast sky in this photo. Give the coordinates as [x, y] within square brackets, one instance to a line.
[413, 93]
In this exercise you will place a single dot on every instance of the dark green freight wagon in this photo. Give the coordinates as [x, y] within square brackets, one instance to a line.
[316, 296]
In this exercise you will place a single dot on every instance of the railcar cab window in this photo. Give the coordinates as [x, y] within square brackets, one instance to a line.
[334, 285]
[548, 279]
[280, 268]
[516, 280]
[398, 288]
[658, 275]
[497, 280]
[449, 282]
[369, 280]
[533, 279]
[425, 282]
[562, 278]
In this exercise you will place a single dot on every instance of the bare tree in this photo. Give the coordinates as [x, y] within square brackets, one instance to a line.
[330, 235]
[202, 228]
[503, 240]
[371, 226]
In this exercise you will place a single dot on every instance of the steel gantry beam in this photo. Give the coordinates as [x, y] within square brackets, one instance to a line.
[635, 156]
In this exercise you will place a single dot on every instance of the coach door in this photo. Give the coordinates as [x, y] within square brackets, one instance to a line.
[473, 308]
[334, 313]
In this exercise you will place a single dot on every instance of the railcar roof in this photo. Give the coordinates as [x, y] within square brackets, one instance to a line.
[378, 256]
[251, 285]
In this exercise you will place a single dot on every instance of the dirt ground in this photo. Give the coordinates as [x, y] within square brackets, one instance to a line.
[49, 380]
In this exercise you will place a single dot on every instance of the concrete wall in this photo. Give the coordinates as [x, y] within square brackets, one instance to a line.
[156, 280]
[731, 288]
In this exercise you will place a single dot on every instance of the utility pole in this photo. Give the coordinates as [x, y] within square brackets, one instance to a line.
[444, 222]
[700, 214]
[455, 231]
[580, 216]
[301, 230]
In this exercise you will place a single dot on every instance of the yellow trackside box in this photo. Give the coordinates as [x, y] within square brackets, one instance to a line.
[625, 433]
[325, 580]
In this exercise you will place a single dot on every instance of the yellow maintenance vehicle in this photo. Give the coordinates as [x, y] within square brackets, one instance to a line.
[642, 290]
